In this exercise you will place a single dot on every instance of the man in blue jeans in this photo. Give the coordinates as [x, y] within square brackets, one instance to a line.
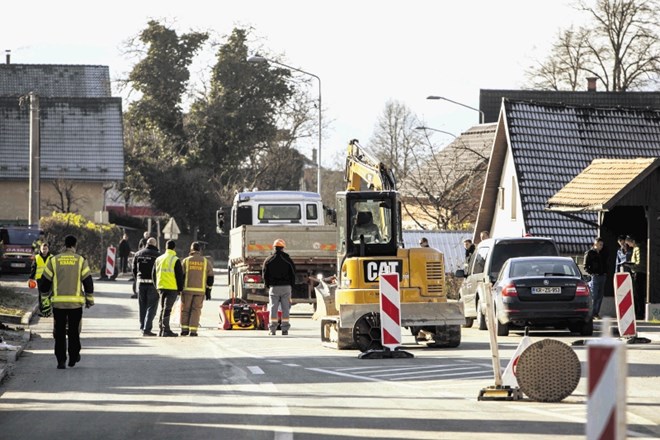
[595, 264]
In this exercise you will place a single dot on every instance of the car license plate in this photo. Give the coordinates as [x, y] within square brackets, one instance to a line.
[545, 290]
[255, 285]
[18, 265]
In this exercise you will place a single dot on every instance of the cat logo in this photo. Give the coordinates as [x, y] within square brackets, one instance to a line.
[374, 268]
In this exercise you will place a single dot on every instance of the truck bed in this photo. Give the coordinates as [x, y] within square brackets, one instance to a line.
[255, 243]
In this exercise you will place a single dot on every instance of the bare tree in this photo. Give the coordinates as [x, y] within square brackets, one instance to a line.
[620, 48]
[395, 138]
[67, 200]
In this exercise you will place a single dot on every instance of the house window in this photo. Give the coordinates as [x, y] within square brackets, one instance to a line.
[500, 197]
[513, 198]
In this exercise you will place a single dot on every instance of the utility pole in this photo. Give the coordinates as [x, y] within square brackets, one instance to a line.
[34, 213]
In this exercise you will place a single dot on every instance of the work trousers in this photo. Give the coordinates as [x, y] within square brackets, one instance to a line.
[67, 323]
[279, 299]
[148, 303]
[167, 300]
[597, 287]
[191, 310]
[123, 263]
[639, 294]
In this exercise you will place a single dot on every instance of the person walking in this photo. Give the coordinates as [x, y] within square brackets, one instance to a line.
[637, 265]
[124, 253]
[168, 276]
[143, 266]
[68, 276]
[198, 276]
[595, 264]
[279, 274]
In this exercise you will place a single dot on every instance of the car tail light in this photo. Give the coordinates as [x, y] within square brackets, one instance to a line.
[251, 278]
[582, 289]
[509, 290]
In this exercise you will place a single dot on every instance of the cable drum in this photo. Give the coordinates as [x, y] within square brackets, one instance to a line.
[548, 371]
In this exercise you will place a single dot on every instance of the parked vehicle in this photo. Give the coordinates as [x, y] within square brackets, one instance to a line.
[485, 265]
[16, 252]
[542, 291]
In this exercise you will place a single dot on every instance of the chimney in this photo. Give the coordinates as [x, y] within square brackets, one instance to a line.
[591, 84]
[8, 56]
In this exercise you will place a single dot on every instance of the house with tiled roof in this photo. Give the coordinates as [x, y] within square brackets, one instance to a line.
[455, 176]
[540, 147]
[81, 137]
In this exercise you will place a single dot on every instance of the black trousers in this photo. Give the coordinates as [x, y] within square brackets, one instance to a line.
[68, 323]
[639, 294]
[167, 300]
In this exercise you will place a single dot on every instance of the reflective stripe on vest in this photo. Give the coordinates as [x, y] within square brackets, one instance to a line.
[41, 265]
[66, 282]
[196, 282]
[165, 271]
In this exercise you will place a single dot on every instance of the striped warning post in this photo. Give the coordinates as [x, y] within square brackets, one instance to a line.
[509, 375]
[606, 404]
[110, 261]
[625, 306]
[390, 310]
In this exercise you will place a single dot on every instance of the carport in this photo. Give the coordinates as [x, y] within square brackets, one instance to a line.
[626, 195]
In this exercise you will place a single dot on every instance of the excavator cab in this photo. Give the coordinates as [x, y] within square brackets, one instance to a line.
[369, 224]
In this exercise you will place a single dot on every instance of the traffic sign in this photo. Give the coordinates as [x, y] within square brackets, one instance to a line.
[171, 230]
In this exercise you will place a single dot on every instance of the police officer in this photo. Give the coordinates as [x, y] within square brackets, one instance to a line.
[64, 274]
[198, 276]
[279, 275]
[143, 267]
[168, 275]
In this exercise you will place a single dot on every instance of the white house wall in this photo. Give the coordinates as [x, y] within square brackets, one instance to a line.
[504, 223]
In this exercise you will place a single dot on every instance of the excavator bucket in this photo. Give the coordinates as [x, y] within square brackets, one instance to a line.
[325, 300]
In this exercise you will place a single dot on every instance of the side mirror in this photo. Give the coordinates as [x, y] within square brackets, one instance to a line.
[219, 220]
[460, 273]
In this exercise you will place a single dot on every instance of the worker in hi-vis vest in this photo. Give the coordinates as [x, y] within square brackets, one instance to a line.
[68, 278]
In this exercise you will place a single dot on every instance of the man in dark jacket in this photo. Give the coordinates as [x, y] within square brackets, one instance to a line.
[595, 264]
[143, 265]
[279, 275]
[124, 253]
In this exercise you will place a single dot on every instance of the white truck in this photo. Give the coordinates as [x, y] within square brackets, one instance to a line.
[297, 217]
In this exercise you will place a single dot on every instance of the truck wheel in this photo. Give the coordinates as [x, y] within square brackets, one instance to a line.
[481, 318]
[366, 332]
[468, 322]
[446, 336]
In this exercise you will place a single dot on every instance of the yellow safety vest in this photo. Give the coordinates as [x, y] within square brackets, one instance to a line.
[41, 265]
[166, 279]
[195, 268]
[66, 271]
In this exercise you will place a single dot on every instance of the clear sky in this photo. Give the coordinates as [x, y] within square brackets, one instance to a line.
[366, 52]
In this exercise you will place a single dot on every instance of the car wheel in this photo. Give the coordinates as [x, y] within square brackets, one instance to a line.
[481, 318]
[468, 322]
[502, 329]
[587, 328]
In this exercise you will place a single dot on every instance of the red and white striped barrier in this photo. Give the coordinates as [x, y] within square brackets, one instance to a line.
[110, 261]
[390, 310]
[625, 305]
[606, 404]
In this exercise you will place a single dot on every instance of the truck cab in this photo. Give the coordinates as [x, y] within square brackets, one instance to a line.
[263, 208]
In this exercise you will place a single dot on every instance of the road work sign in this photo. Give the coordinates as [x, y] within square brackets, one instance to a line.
[390, 310]
[625, 306]
[110, 261]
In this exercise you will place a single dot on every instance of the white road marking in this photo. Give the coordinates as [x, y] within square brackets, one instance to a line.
[255, 370]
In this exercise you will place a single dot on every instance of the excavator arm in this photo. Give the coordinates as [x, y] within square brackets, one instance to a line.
[364, 172]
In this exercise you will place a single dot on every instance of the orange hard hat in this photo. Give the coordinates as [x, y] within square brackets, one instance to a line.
[32, 284]
[279, 243]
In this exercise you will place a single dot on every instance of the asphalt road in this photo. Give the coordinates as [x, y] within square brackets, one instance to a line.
[248, 385]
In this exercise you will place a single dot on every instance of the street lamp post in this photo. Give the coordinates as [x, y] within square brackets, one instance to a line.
[422, 127]
[481, 114]
[260, 59]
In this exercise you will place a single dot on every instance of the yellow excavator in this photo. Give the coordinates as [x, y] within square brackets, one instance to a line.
[370, 243]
